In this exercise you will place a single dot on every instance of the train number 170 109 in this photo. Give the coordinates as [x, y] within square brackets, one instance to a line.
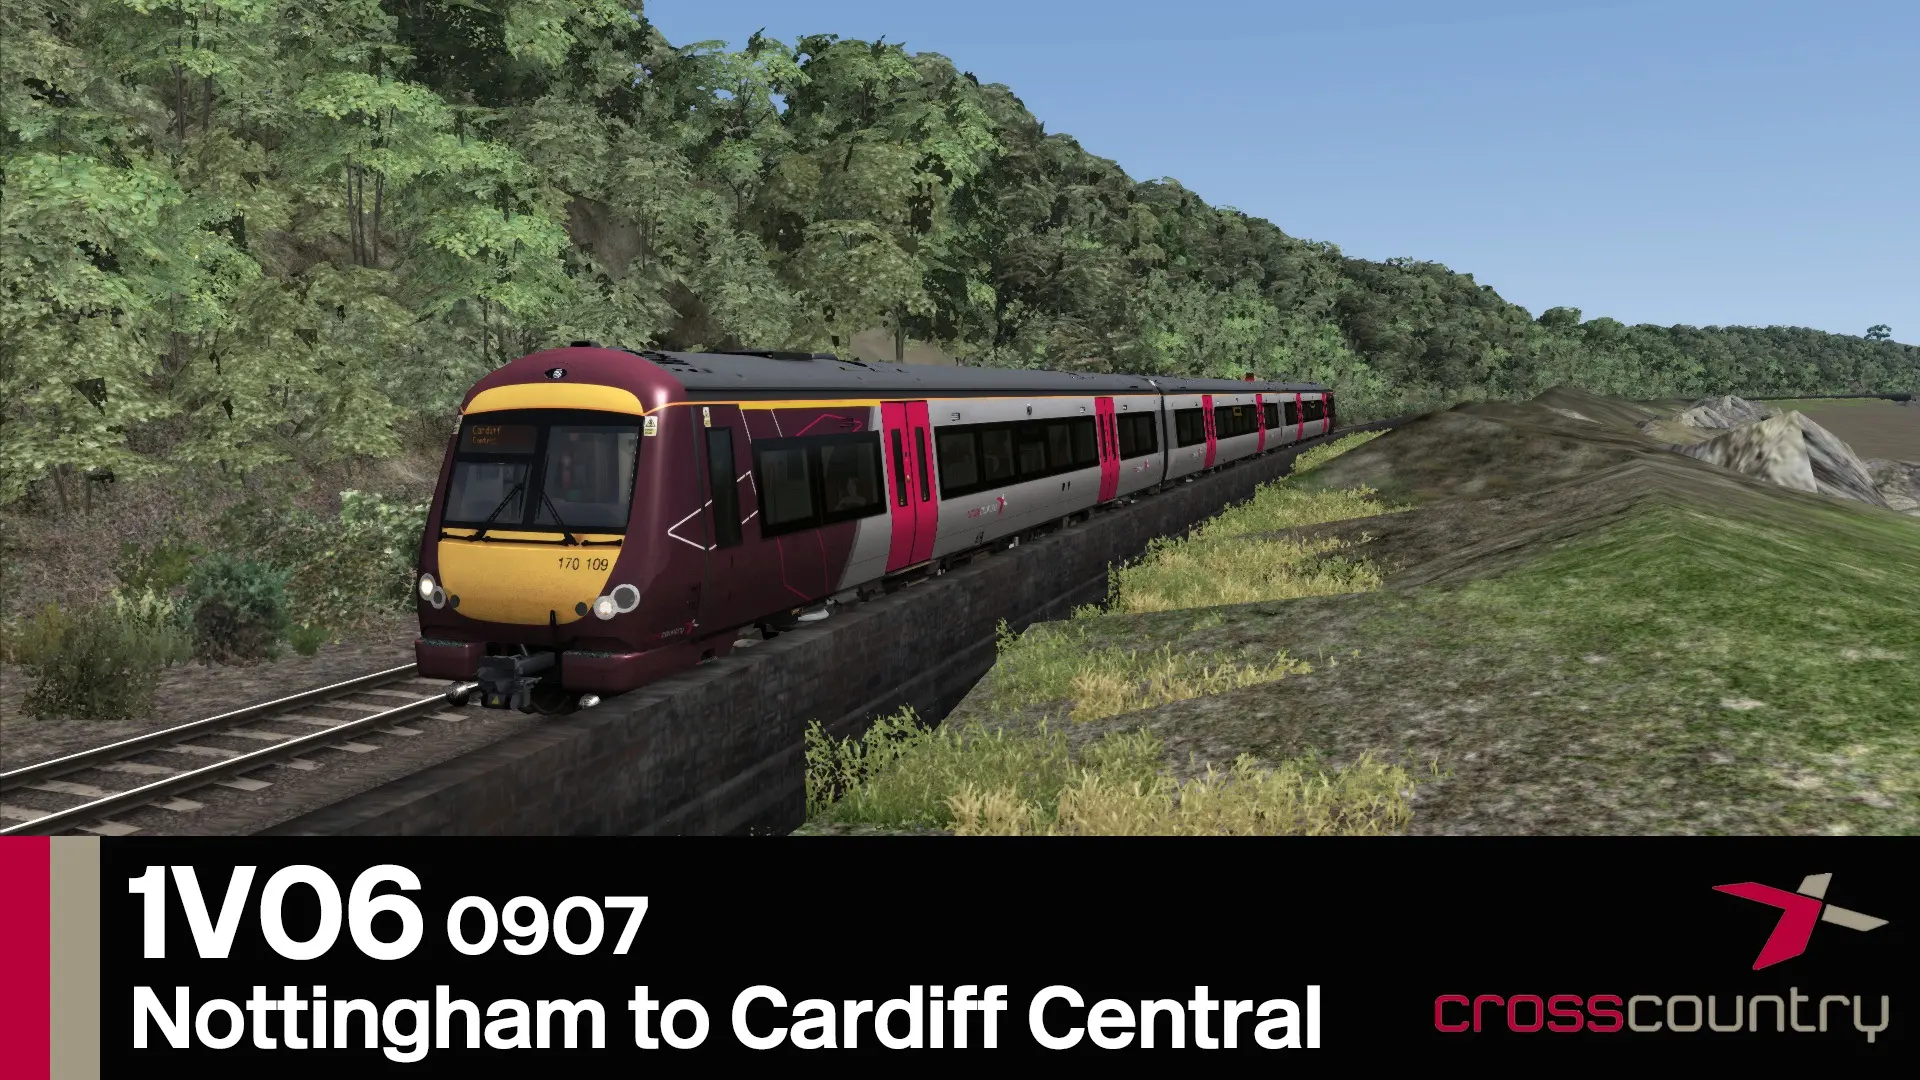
[572, 562]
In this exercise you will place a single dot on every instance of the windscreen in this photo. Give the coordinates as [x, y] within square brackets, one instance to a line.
[544, 470]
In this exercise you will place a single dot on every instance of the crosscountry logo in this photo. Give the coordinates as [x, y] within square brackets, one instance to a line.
[1799, 912]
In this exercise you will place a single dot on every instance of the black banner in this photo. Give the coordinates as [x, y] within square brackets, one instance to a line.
[316, 955]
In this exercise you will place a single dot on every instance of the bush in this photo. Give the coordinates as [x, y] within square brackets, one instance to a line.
[159, 569]
[239, 608]
[148, 608]
[343, 569]
[306, 640]
[95, 664]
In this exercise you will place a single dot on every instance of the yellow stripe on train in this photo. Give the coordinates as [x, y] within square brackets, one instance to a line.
[557, 396]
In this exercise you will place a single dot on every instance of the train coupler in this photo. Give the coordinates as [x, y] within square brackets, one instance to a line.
[507, 682]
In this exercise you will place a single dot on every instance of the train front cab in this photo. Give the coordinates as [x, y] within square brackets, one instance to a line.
[536, 575]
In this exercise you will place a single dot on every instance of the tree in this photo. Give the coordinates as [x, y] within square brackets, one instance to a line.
[240, 233]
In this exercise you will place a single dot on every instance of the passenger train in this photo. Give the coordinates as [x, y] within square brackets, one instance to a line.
[605, 517]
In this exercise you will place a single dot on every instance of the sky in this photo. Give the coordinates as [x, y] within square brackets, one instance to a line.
[1661, 161]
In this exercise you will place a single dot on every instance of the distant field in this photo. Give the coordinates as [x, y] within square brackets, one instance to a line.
[1874, 427]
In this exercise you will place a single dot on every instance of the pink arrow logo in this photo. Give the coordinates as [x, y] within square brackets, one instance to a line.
[1799, 912]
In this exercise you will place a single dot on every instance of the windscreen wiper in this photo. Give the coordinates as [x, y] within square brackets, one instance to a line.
[485, 525]
[564, 531]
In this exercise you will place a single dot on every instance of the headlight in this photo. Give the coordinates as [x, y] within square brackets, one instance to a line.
[427, 585]
[625, 598]
[439, 597]
[605, 608]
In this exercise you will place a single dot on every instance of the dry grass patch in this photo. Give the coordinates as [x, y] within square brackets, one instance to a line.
[901, 776]
[1205, 572]
[1059, 664]
[1366, 798]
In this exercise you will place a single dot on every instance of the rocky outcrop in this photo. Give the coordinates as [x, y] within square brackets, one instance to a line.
[1723, 412]
[1794, 452]
[1899, 483]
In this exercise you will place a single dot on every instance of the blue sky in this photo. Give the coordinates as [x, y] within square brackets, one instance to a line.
[1680, 161]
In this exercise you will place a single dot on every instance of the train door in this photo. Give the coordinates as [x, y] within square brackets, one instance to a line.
[1299, 418]
[1206, 419]
[1260, 423]
[723, 458]
[1107, 432]
[907, 436]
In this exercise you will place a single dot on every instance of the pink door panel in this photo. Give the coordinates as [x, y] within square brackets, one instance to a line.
[894, 435]
[925, 494]
[1107, 436]
[1206, 418]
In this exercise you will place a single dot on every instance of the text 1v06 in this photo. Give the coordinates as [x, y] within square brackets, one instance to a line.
[577, 925]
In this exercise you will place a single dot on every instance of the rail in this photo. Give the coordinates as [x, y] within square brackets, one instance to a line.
[112, 759]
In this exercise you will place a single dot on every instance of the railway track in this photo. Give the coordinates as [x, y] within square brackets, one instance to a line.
[242, 749]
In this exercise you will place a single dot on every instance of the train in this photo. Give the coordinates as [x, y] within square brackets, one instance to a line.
[605, 517]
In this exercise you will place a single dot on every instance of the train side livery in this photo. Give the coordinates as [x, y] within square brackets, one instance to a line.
[605, 517]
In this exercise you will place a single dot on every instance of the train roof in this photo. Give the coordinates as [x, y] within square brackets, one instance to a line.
[821, 373]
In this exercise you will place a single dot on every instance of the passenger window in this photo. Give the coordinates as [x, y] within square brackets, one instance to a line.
[1059, 447]
[1189, 427]
[1086, 442]
[1032, 443]
[1139, 435]
[850, 478]
[1293, 413]
[996, 454]
[959, 461]
[786, 489]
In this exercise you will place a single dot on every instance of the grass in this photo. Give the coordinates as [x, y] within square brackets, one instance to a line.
[1233, 558]
[1061, 664]
[1365, 799]
[1777, 654]
[976, 781]
[1023, 778]
[1230, 559]
[1720, 660]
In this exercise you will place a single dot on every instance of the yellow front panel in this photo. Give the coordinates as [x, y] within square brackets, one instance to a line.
[556, 396]
[520, 583]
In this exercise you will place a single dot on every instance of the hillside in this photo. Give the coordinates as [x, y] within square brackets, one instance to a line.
[234, 238]
[1502, 618]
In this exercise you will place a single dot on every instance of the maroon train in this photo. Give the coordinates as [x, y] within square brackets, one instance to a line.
[605, 517]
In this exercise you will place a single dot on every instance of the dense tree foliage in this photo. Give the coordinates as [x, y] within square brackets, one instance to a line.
[240, 232]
